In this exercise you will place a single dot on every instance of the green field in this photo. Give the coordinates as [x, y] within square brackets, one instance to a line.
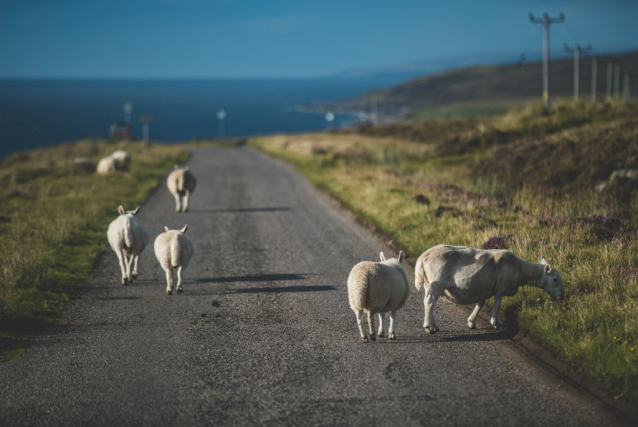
[53, 220]
[524, 181]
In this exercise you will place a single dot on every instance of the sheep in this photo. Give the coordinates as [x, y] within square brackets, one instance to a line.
[128, 238]
[122, 160]
[106, 166]
[181, 183]
[471, 276]
[377, 288]
[173, 250]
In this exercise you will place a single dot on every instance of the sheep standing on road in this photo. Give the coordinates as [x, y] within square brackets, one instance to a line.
[181, 183]
[173, 250]
[128, 238]
[471, 276]
[377, 288]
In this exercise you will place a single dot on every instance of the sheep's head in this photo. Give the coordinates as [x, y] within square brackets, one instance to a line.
[402, 256]
[550, 281]
[121, 210]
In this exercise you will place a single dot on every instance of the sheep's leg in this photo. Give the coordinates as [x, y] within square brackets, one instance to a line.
[186, 198]
[178, 202]
[497, 305]
[169, 281]
[471, 321]
[122, 258]
[129, 263]
[179, 280]
[393, 322]
[380, 332]
[431, 295]
[136, 261]
[373, 337]
[358, 313]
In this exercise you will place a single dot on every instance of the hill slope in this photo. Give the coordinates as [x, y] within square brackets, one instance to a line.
[492, 83]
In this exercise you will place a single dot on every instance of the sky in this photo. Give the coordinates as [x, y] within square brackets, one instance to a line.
[285, 38]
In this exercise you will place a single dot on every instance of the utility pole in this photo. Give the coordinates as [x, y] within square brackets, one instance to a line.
[594, 77]
[577, 50]
[546, 21]
[616, 79]
[626, 87]
[145, 120]
[609, 78]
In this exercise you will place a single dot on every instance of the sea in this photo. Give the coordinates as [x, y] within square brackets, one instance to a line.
[38, 113]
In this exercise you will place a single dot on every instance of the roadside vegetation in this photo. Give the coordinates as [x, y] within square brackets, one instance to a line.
[524, 181]
[53, 221]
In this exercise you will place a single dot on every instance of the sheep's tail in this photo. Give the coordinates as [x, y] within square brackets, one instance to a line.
[419, 274]
[176, 253]
[128, 235]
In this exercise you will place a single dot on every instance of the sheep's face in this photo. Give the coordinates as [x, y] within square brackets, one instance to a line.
[551, 282]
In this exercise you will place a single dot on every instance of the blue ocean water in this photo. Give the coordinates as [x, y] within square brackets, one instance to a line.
[35, 113]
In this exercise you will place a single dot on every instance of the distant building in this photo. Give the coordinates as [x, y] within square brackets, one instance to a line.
[120, 130]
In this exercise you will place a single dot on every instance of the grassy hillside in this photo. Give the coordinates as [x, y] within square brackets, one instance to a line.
[523, 181]
[53, 221]
[480, 88]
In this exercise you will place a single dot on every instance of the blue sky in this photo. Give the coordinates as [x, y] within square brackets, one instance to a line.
[283, 38]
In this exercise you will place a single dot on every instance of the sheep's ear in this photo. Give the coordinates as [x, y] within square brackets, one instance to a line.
[548, 268]
[543, 260]
[120, 209]
[402, 256]
[137, 209]
[183, 230]
[382, 256]
[166, 229]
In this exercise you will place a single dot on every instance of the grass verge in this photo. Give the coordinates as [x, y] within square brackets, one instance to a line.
[528, 186]
[53, 221]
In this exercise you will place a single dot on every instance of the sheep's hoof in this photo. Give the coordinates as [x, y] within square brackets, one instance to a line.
[380, 334]
[471, 325]
[134, 277]
[430, 330]
[125, 281]
[180, 290]
[392, 336]
[185, 210]
[373, 337]
[169, 292]
[364, 339]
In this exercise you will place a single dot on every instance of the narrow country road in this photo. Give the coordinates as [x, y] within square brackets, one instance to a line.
[263, 333]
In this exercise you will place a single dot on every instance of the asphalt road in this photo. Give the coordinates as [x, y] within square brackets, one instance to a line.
[263, 333]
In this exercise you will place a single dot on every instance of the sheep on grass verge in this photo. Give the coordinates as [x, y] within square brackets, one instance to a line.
[471, 276]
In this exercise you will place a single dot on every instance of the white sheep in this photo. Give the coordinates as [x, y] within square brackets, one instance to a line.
[471, 276]
[122, 160]
[181, 183]
[377, 288]
[173, 250]
[128, 238]
[106, 166]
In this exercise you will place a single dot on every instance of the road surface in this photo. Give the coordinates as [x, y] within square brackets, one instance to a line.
[263, 333]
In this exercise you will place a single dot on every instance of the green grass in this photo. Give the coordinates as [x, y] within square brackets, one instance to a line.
[530, 180]
[53, 222]
[467, 109]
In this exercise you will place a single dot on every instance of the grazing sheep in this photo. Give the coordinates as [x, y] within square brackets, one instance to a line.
[181, 183]
[471, 276]
[173, 250]
[377, 288]
[128, 238]
[106, 166]
[122, 160]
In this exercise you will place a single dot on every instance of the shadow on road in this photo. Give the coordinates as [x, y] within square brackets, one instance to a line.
[244, 210]
[277, 277]
[283, 289]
